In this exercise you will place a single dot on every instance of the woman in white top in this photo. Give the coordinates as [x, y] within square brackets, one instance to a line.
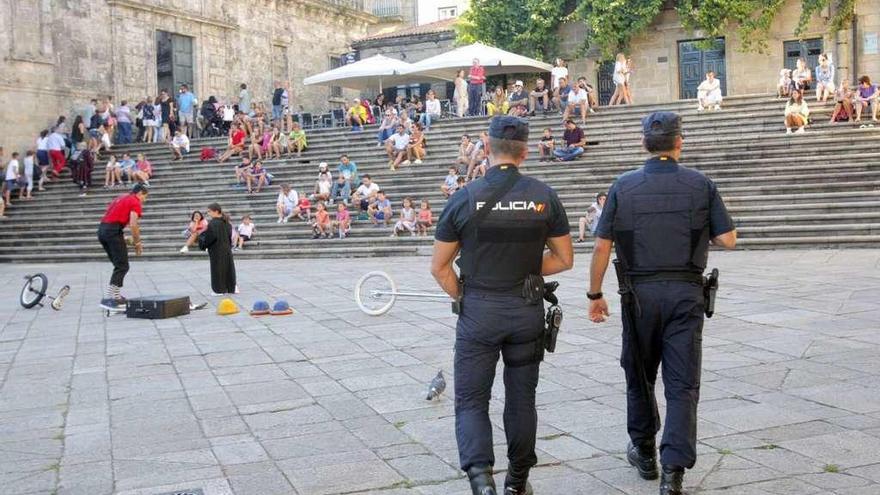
[619, 78]
[824, 78]
[558, 73]
[709, 93]
[801, 77]
[432, 110]
[460, 95]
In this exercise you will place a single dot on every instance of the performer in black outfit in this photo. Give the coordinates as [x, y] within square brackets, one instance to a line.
[218, 241]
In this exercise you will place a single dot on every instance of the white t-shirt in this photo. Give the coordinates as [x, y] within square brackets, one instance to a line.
[43, 143]
[576, 97]
[12, 170]
[55, 141]
[245, 229]
[432, 107]
[181, 141]
[365, 191]
[228, 113]
[29, 166]
[324, 187]
[290, 200]
[556, 74]
[400, 141]
[105, 140]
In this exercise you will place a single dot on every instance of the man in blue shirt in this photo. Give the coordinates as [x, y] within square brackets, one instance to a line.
[185, 103]
[348, 178]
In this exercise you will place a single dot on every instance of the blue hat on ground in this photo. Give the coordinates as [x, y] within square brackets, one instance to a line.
[281, 308]
[261, 308]
[662, 124]
[509, 128]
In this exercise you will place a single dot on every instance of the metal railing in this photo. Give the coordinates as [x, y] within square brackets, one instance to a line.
[379, 8]
[384, 8]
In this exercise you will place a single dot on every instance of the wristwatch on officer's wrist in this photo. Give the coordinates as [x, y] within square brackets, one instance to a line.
[594, 296]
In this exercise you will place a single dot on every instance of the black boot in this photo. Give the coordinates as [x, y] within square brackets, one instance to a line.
[482, 482]
[517, 483]
[670, 483]
[643, 458]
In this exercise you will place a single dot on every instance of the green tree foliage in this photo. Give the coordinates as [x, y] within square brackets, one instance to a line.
[529, 26]
[611, 23]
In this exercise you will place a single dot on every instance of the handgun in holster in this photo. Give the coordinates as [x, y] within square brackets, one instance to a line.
[553, 320]
[710, 289]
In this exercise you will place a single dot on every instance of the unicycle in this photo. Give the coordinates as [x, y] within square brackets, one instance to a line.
[375, 293]
[34, 290]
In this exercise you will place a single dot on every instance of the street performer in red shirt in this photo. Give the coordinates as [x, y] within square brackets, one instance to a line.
[126, 210]
[476, 80]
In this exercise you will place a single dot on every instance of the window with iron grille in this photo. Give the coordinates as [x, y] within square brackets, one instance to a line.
[335, 91]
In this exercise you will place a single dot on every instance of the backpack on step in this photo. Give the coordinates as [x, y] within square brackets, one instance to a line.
[208, 153]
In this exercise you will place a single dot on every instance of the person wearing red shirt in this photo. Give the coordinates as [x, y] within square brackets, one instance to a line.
[124, 211]
[236, 143]
[476, 80]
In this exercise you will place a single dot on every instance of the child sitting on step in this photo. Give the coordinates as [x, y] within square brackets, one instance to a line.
[425, 218]
[343, 220]
[322, 227]
[246, 231]
[407, 220]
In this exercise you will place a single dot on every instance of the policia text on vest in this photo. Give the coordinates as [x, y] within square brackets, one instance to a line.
[502, 262]
[660, 220]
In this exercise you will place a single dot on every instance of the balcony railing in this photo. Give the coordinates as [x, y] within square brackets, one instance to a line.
[384, 8]
[379, 8]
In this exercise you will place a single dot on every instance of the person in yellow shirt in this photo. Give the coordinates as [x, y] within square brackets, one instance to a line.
[356, 116]
[297, 140]
[498, 105]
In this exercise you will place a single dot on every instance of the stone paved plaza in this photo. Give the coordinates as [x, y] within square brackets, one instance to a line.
[331, 401]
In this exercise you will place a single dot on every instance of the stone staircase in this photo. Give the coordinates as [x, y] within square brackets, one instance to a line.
[821, 189]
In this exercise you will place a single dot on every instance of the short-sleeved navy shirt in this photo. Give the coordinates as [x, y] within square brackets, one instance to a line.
[720, 221]
[459, 208]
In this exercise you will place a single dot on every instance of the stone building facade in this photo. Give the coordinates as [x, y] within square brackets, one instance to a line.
[57, 55]
[664, 54]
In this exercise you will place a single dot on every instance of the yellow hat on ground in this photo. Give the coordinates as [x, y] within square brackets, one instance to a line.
[227, 307]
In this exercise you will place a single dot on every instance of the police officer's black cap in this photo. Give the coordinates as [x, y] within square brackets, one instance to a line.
[509, 128]
[662, 124]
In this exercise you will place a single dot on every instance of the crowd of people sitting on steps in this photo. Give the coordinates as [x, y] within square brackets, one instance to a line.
[850, 104]
[258, 131]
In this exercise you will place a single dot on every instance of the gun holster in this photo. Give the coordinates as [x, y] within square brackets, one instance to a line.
[553, 320]
[710, 290]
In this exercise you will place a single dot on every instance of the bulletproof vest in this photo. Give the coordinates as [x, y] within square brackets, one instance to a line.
[509, 243]
[661, 221]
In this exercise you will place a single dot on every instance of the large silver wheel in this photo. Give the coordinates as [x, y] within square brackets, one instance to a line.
[34, 290]
[375, 292]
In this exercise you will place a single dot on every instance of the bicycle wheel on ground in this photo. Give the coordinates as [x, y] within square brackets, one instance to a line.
[374, 293]
[34, 290]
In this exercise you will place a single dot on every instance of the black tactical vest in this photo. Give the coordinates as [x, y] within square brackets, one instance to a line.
[661, 221]
[509, 243]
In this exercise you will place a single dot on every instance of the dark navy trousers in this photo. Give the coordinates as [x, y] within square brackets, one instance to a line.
[491, 325]
[669, 327]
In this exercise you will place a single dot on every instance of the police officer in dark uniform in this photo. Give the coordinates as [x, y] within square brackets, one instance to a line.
[501, 225]
[661, 219]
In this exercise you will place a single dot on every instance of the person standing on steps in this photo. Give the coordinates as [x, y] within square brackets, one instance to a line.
[124, 211]
[661, 219]
[476, 80]
[501, 226]
[217, 240]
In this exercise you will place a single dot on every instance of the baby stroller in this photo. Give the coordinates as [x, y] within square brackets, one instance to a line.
[212, 120]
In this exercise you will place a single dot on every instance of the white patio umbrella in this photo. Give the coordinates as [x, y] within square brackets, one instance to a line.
[376, 71]
[494, 60]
